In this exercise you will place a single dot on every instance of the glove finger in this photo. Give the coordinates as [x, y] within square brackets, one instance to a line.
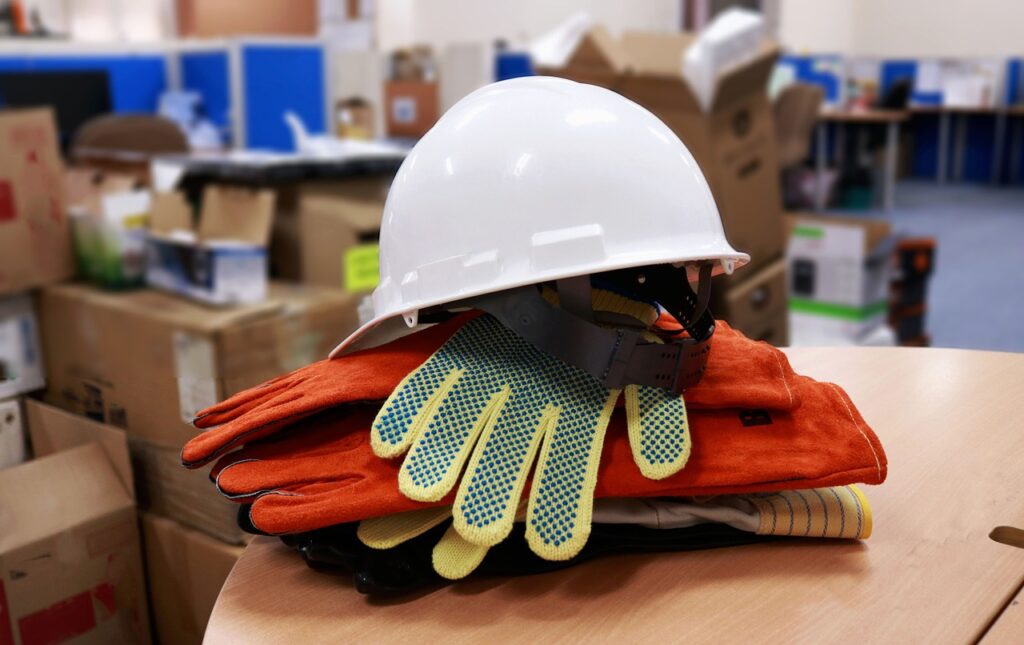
[247, 477]
[484, 510]
[269, 418]
[302, 509]
[454, 557]
[435, 461]
[659, 432]
[562, 496]
[472, 355]
[242, 402]
[308, 457]
[391, 530]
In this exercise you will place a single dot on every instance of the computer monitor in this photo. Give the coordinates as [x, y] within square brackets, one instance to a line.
[75, 96]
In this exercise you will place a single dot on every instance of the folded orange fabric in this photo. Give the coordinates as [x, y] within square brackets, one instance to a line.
[740, 373]
[322, 471]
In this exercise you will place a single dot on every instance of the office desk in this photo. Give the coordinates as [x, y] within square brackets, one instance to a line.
[1015, 114]
[950, 423]
[947, 114]
[891, 119]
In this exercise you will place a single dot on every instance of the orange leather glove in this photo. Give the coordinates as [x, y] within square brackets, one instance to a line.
[740, 373]
[323, 471]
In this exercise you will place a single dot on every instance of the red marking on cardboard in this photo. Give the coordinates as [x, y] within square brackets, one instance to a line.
[104, 595]
[7, 211]
[6, 631]
[63, 620]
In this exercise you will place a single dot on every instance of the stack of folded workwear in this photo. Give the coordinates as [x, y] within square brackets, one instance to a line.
[573, 397]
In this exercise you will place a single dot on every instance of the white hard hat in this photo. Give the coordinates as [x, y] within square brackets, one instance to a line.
[538, 179]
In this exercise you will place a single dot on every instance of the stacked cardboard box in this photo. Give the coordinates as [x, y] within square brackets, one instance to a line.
[147, 361]
[339, 225]
[734, 143]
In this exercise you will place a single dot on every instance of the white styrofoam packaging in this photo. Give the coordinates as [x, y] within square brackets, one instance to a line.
[21, 360]
[12, 434]
[839, 279]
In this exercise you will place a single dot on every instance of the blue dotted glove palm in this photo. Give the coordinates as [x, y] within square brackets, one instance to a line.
[489, 398]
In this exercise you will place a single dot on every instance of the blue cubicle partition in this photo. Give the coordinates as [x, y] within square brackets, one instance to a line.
[279, 77]
[980, 129]
[818, 70]
[207, 73]
[136, 79]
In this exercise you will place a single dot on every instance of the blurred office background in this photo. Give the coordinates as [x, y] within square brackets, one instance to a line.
[191, 193]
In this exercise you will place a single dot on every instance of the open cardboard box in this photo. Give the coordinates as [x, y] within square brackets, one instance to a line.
[70, 553]
[185, 568]
[733, 142]
[222, 259]
[109, 213]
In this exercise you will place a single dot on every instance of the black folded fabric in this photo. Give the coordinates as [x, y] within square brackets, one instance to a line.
[408, 567]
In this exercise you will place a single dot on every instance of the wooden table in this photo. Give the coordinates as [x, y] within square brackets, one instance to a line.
[891, 119]
[952, 425]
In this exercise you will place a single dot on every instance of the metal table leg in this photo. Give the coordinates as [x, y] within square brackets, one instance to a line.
[892, 136]
[998, 144]
[821, 140]
[960, 146]
[943, 147]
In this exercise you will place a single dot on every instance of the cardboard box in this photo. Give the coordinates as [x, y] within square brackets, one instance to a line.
[21, 358]
[355, 118]
[734, 143]
[411, 107]
[35, 240]
[186, 571]
[13, 447]
[147, 361]
[840, 269]
[758, 307]
[339, 226]
[54, 430]
[70, 553]
[109, 213]
[223, 260]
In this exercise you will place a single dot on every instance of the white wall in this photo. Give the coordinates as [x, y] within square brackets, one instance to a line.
[904, 28]
[817, 26]
[441, 22]
[109, 21]
[954, 28]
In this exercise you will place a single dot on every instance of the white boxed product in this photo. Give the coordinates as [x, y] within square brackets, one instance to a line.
[12, 434]
[839, 270]
[21, 360]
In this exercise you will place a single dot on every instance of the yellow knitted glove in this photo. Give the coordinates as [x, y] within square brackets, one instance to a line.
[490, 398]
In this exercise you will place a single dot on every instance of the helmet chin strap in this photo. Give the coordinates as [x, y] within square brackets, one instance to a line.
[618, 357]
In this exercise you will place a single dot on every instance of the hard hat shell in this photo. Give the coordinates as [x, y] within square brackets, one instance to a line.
[536, 179]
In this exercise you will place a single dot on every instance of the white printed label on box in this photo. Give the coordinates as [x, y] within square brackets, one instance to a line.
[403, 109]
[194, 366]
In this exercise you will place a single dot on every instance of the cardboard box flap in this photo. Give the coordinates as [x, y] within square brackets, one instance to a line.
[877, 232]
[167, 308]
[232, 213]
[54, 430]
[746, 78]
[42, 498]
[652, 53]
[170, 212]
[599, 50]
